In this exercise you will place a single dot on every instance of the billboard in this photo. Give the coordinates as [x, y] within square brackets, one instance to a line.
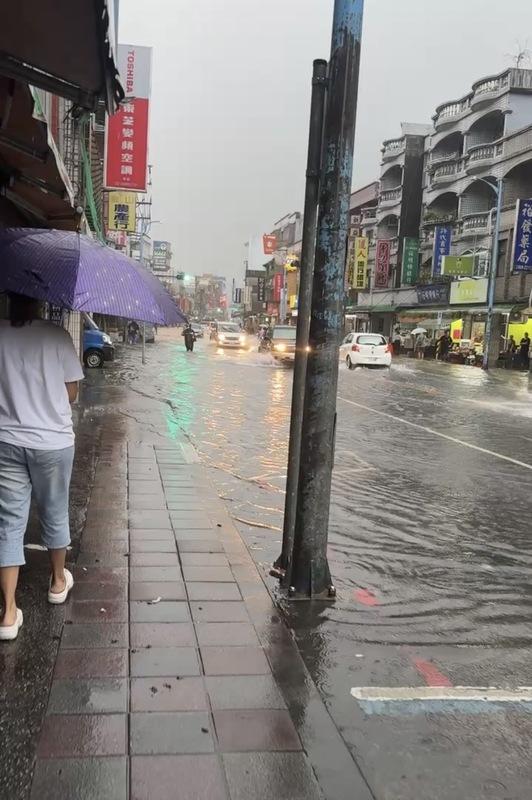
[269, 244]
[522, 255]
[122, 212]
[410, 260]
[433, 294]
[162, 256]
[126, 135]
[459, 266]
[442, 247]
[469, 291]
[382, 263]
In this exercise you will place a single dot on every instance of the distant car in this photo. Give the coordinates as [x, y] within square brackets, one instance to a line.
[198, 329]
[366, 350]
[229, 334]
[283, 343]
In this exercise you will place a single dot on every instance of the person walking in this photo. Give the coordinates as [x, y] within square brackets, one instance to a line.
[524, 350]
[421, 343]
[190, 337]
[39, 375]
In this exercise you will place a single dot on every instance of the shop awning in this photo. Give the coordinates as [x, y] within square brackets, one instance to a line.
[33, 176]
[428, 310]
[64, 47]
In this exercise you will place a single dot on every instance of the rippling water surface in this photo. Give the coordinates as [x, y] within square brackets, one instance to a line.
[437, 534]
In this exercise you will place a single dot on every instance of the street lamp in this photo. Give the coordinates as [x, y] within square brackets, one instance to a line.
[492, 276]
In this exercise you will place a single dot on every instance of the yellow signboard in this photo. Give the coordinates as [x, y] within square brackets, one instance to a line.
[358, 264]
[469, 291]
[122, 211]
[291, 263]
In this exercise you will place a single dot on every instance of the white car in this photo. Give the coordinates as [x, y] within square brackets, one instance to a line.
[366, 349]
[229, 334]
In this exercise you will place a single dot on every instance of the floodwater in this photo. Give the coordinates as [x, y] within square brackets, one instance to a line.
[437, 532]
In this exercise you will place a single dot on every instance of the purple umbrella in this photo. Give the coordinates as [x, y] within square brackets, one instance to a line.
[76, 272]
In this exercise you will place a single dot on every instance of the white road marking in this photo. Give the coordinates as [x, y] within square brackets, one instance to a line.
[465, 693]
[438, 433]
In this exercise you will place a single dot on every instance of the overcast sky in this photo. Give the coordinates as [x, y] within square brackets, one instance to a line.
[230, 100]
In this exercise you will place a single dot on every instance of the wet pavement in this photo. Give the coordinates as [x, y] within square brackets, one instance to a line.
[429, 549]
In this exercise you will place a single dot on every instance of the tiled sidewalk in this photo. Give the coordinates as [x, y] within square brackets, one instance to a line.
[163, 687]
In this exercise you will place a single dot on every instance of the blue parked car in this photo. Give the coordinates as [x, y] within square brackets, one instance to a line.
[98, 346]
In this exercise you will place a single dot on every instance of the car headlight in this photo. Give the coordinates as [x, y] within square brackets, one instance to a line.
[107, 339]
[279, 347]
[243, 339]
[221, 337]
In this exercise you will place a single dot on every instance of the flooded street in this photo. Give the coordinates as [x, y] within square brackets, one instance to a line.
[430, 545]
[431, 491]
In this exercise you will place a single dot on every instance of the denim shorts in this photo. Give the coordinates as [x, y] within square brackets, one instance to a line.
[47, 474]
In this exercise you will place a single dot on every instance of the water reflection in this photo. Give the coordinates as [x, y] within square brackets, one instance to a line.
[438, 533]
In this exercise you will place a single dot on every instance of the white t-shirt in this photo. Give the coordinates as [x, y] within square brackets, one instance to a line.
[36, 360]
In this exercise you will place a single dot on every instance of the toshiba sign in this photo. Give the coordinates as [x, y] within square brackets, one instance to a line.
[126, 141]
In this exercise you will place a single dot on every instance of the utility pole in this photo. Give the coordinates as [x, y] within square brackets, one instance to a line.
[309, 574]
[308, 244]
[492, 278]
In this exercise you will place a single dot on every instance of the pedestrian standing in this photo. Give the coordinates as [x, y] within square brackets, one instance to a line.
[421, 344]
[524, 350]
[39, 374]
[190, 337]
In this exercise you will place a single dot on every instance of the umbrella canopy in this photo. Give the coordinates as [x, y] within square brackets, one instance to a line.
[73, 271]
[418, 330]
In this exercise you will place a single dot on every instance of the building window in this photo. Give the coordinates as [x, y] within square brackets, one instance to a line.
[501, 262]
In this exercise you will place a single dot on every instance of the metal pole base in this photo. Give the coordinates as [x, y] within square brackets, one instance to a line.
[327, 596]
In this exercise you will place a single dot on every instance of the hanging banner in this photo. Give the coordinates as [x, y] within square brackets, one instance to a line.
[382, 263]
[122, 212]
[261, 289]
[410, 260]
[269, 244]
[277, 287]
[522, 255]
[361, 252]
[442, 247]
[126, 134]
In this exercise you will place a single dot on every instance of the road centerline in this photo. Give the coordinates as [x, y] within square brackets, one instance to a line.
[433, 432]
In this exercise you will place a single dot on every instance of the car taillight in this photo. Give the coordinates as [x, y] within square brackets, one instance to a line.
[355, 348]
[389, 348]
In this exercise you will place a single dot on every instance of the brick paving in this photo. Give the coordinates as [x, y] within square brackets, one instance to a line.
[174, 698]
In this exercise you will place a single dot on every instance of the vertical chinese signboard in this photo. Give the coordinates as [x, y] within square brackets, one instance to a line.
[126, 140]
[442, 247]
[382, 263]
[277, 287]
[261, 289]
[522, 255]
[359, 278]
[410, 260]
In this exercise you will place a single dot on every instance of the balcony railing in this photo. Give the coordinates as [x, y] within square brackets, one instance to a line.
[474, 222]
[393, 148]
[452, 110]
[448, 172]
[486, 152]
[438, 156]
[491, 87]
[390, 196]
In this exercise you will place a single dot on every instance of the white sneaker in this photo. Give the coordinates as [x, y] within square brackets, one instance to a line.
[58, 598]
[10, 632]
